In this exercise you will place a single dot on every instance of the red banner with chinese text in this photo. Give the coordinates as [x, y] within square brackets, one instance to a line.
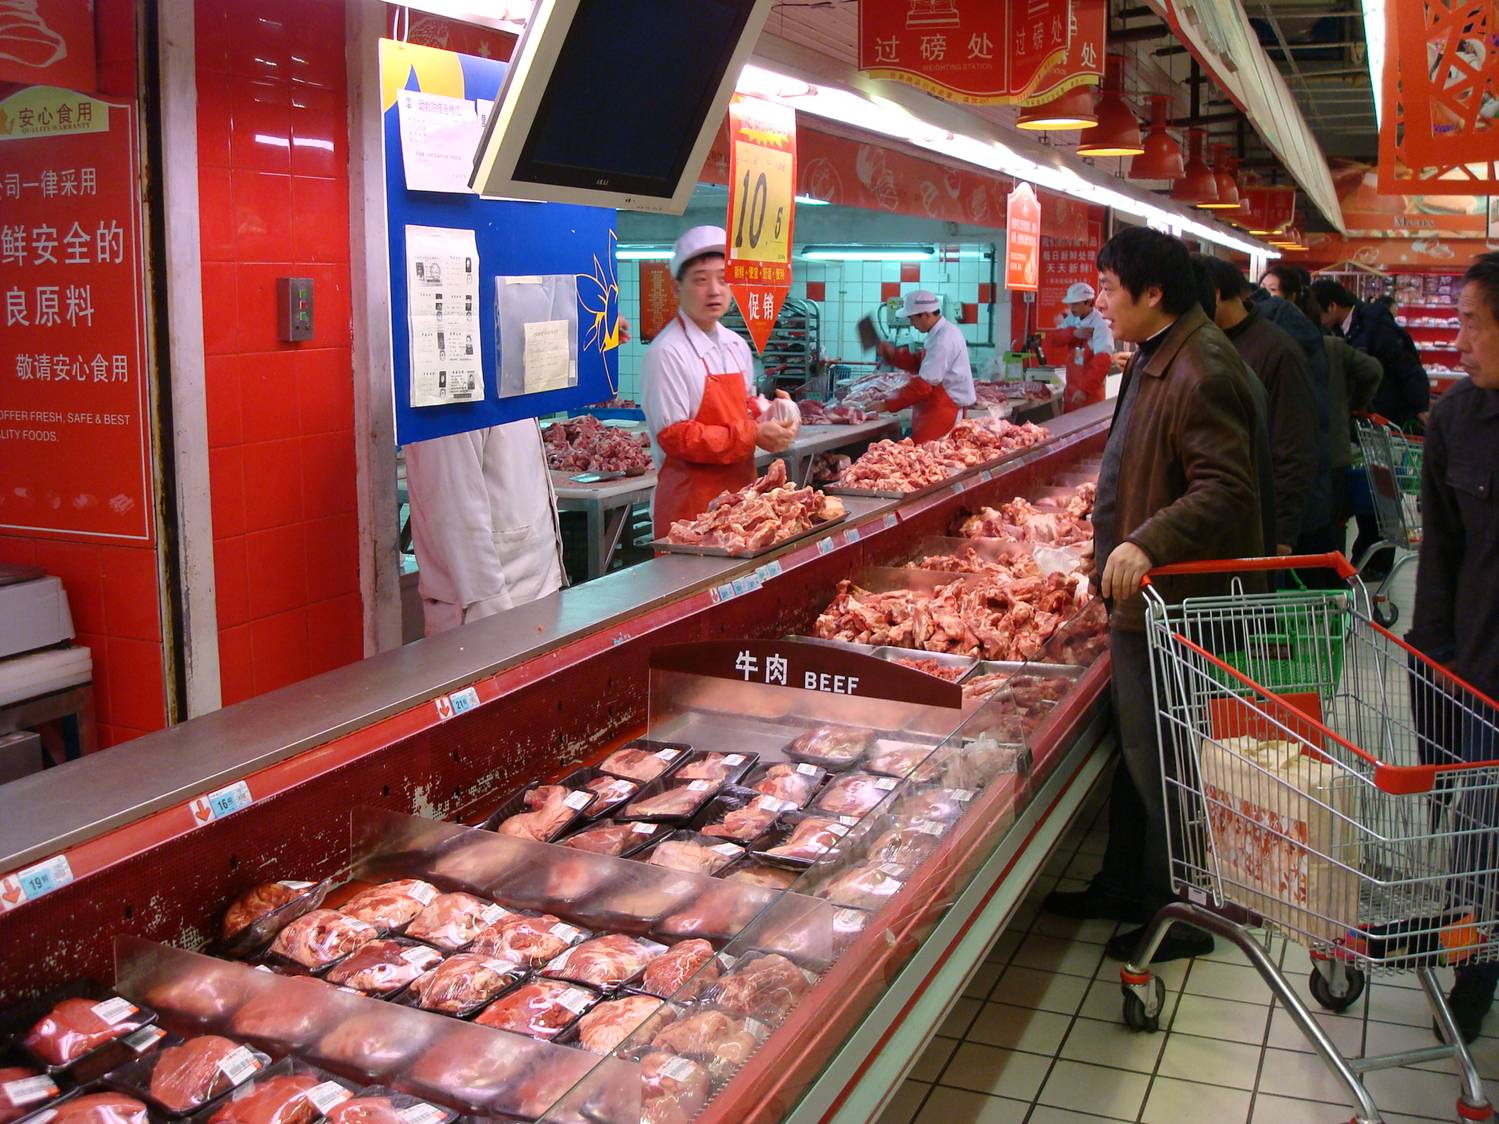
[762, 190]
[48, 42]
[1022, 239]
[979, 53]
[658, 300]
[75, 450]
[1082, 64]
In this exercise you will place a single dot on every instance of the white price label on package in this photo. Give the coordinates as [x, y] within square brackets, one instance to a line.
[492, 913]
[807, 770]
[422, 1113]
[577, 801]
[574, 1000]
[422, 892]
[239, 1065]
[28, 1090]
[734, 759]
[143, 1039]
[115, 1010]
[326, 1094]
[644, 829]
[699, 786]
[421, 957]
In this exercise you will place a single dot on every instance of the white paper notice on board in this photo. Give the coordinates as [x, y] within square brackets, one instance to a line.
[442, 312]
[549, 362]
[438, 138]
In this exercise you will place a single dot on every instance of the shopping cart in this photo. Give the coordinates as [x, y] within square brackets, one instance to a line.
[1357, 813]
[1392, 465]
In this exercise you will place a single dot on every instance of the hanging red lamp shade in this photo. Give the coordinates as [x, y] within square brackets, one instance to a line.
[1197, 187]
[1228, 186]
[1073, 110]
[1162, 158]
[1292, 240]
[1118, 132]
[1271, 207]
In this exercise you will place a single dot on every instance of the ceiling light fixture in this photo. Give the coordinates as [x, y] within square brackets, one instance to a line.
[1197, 187]
[869, 253]
[1118, 131]
[1162, 158]
[1073, 110]
[1223, 177]
[643, 253]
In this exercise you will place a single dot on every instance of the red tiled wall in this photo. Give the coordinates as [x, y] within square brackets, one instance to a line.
[273, 199]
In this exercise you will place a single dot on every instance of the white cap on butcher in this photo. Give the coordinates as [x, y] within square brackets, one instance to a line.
[922, 300]
[1079, 291]
[695, 243]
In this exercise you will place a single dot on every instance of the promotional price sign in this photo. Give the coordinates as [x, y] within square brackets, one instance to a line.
[658, 301]
[762, 192]
[1022, 239]
[75, 449]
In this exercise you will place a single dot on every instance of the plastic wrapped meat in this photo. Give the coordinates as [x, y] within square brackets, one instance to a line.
[639, 902]
[23, 1091]
[765, 988]
[100, 1108]
[810, 840]
[897, 759]
[258, 901]
[391, 905]
[465, 1073]
[939, 805]
[75, 1026]
[835, 745]
[188, 1076]
[608, 838]
[567, 879]
[865, 886]
[609, 1024]
[452, 920]
[462, 982]
[372, 1042]
[285, 1015]
[207, 991]
[906, 846]
[609, 792]
[713, 1037]
[638, 764]
[393, 1109]
[383, 967]
[317, 939]
[678, 801]
[528, 941]
[673, 1090]
[789, 782]
[759, 875]
[604, 962]
[715, 767]
[693, 857]
[540, 1009]
[287, 1098]
[718, 914]
[855, 795]
[551, 807]
[747, 823]
[666, 975]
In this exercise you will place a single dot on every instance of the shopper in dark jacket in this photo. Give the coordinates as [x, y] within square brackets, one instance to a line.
[1456, 618]
[1178, 474]
[1404, 393]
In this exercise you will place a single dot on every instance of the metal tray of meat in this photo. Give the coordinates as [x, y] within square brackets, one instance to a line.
[706, 551]
[964, 664]
[1021, 667]
[990, 550]
[836, 489]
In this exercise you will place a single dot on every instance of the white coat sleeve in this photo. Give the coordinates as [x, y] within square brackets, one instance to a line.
[1102, 342]
[667, 388]
[452, 527]
[941, 357]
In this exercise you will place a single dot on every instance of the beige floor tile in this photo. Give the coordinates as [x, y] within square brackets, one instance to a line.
[983, 981]
[1415, 1091]
[1046, 991]
[1091, 1088]
[904, 1103]
[1346, 1032]
[1173, 1102]
[1004, 948]
[1052, 954]
[1045, 1114]
[1190, 1058]
[1226, 981]
[1287, 1110]
[1221, 1018]
[929, 1066]
[958, 1018]
[1286, 1073]
[1072, 929]
[1404, 1005]
[1485, 1053]
[957, 1106]
[1112, 1044]
[1082, 866]
[1019, 1028]
[999, 1073]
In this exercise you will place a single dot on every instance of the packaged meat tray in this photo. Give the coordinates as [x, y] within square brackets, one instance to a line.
[373, 1043]
[475, 1076]
[669, 801]
[672, 1089]
[531, 940]
[376, 1104]
[693, 853]
[453, 920]
[835, 748]
[864, 885]
[24, 1091]
[622, 840]
[542, 1008]
[854, 794]
[605, 962]
[940, 805]
[288, 1092]
[769, 513]
[285, 1018]
[636, 907]
[719, 768]
[255, 917]
[719, 1039]
[644, 760]
[320, 938]
[751, 872]
[802, 840]
[891, 758]
[187, 1075]
[689, 964]
[609, 1024]
[463, 983]
[96, 1108]
[541, 812]
[81, 1027]
[716, 914]
[390, 906]
[793, 782]
[763, 986]
[741, 815]
[382, 968]
[608, 791]
[905, 845]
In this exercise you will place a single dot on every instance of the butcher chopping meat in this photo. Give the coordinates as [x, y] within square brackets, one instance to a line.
[255, 903]
[809, 840]
[100, 1108]
[697, 382]
[188, 1076]
[855, 795]
[692, 856]
[528, 941]
[391, 905]
[75, 1026]
[539, 1009]
[604, 962]
[793, 783]
[462, 982]
[585, 444]
[452, 920]
[941, 382]
[321, 937]
[763, 987]
[610, 1023]
[383, 967]
[713, 1037]
[551, 808]
[673, 1090]
[608, 838]
[686, 960]
[759, 515]
[643, 765]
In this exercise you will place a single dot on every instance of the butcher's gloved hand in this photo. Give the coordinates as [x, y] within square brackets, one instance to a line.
[774, 436]
[1124, 571]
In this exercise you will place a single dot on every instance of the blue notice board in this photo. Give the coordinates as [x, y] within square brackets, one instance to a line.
[512, 238]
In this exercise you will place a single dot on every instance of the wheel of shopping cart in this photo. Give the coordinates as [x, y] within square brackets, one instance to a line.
[1322, 988]
[1136, 1014]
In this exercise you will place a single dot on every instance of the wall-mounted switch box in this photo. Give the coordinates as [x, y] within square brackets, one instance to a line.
[294, 308]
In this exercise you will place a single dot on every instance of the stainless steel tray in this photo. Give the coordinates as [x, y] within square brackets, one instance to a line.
[706, 551]
[889, 494]
[944, 659]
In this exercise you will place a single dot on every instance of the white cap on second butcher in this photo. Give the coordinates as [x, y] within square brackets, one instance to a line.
[922, 300]
[695, 243]
[1079, 291]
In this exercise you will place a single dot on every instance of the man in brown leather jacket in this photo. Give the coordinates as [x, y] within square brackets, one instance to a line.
[1179, 482]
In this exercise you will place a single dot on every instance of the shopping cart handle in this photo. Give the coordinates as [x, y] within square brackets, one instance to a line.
[1330, 561]
[1377, 419]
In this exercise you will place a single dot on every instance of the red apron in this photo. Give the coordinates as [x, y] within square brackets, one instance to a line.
[1086, 381]
[933, 417]
[684, 487]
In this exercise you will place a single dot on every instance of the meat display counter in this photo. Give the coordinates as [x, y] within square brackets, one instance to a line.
[153, 839]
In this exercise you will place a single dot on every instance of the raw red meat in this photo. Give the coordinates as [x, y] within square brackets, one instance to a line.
[540, 1008]
[374, 1109]
[759, 515]
[528, 941]
[906, 846]
[101, 1108]
[788, 782]
[1022, 521]
[552, 807]
[970, 561]
[609, 1024]
[864, 886]
[941, 805]
[282, 1099]
[810, 840]
[464, 1073]
[188, 1076]
[816, 413]
[585, 444]
[673, 1090]
[604, 962]
[452, 920]
[765, 988]
[855, 795]
[693, 857]
[373, 1043]
[321, 937]
[285, 1015]
[678, 801]
[713, 1037]
[75, 1026]
[904, 466]
[951, 672]
[255, 903]
[23, 1091]
[392, 904]
[666, 975]
[839, 745]
[714, 767]
[750, 822]
[897, 759]
[639, 764]
[758, 875]
[462, 982]
[206, 992]
[717, 914]
[383, 967]
[608, 792]
[609, 838]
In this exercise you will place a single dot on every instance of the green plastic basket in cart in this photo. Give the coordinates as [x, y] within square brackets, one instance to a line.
[1299, 643]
